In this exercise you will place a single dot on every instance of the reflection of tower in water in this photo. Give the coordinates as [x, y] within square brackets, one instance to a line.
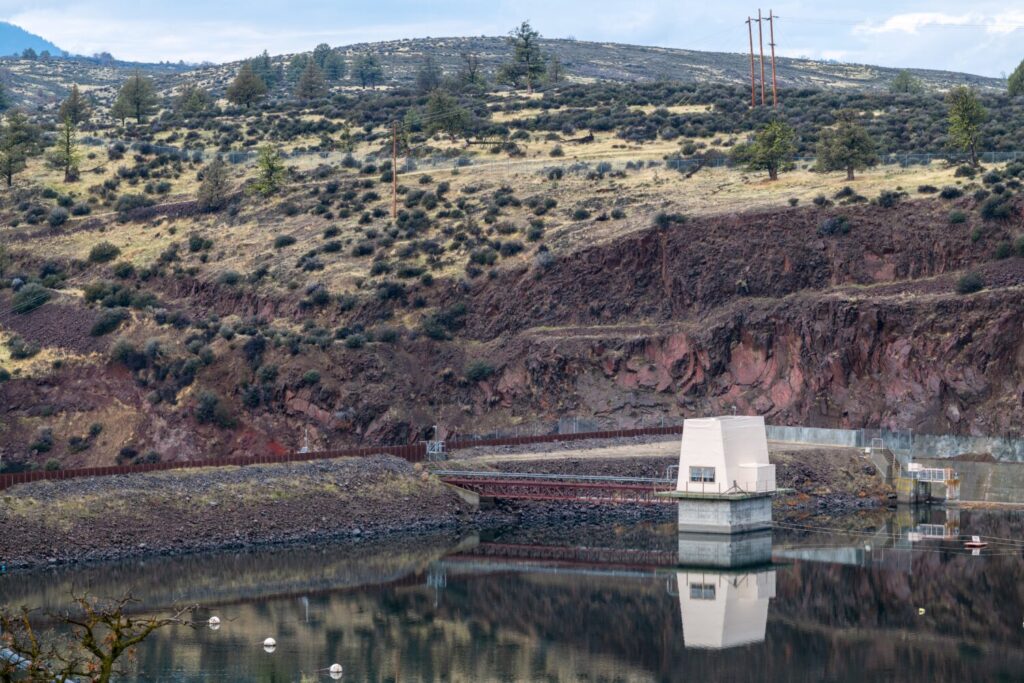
[725, 583]
[724, 609]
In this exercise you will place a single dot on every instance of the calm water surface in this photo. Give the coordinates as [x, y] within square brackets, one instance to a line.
[614, 602]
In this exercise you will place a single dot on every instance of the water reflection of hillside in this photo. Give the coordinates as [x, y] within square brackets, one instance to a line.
[419, 619]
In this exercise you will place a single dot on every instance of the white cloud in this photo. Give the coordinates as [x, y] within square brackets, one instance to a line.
[912, 22]
[82, 32]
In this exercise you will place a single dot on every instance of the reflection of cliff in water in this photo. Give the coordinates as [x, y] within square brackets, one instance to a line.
[423, 619]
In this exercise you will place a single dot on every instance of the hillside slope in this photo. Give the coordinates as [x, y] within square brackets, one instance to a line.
[14, 40]
[620, 62]
[761, 314]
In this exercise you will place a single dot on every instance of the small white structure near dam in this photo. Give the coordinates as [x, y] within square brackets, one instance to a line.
[725, 481]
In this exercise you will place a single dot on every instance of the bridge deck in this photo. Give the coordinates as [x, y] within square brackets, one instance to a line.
[579, 488]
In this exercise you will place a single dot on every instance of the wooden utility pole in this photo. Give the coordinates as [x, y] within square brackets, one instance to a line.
[394, 171]
[760, 39]
[753, 86]
[771, 38]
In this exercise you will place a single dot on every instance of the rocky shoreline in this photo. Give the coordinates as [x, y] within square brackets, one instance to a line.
[348, 500]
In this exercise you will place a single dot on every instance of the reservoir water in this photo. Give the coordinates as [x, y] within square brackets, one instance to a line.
[896, 597]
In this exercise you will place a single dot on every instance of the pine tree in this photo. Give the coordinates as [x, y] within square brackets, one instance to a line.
[136, 98]
[334, 66]
[296, 65]
[444, 114]
[320, 54]
[368, 70]
[1015, 84]
[19, 140]
[906, 83]
[966, 114]
[264, 67]
[192, 99]
[270, 171]
[556, 74]
[66, 156]
[428, 78]
[847, 147]
[311, 83]
[75, 107]
[247, 88]
[771, 150]
[215, 188]
[527, 66]
[471, 75]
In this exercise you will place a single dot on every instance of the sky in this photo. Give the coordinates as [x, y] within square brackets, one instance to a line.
[976, 36]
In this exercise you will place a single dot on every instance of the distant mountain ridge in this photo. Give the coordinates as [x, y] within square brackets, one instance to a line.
[15, 40]
[619, 62]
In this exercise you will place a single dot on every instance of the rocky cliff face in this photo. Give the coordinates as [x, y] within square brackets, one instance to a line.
[761, 314]
[754, 313]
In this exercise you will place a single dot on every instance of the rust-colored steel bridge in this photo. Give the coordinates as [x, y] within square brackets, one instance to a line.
[561, 487]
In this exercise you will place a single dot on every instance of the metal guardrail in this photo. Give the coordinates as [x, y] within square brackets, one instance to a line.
[529, 476]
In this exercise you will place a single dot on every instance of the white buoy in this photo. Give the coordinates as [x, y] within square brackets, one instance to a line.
[336, 671]
[214, 623]
[269, 645]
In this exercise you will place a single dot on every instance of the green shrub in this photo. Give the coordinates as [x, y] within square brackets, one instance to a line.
[43, 442]
[21, 349]
[103, 252]
[52, 465]
[355, 341]
[108, 321]
[124, 270]
[282, 241]
[484, 257]
[888, 199]
[30, 297]
[663, 221]
[836, 225]
[129, 202]
[267, 373]
[127, 354]
[477, 371]
[58, 217]
[970, 283]
[996, 209]
[951, 192]
[1003, 250]
[5, 375]
[210, 409]
[1018, 246]
[310, 377]
[229, 277]
[956, 217]
[386, 335]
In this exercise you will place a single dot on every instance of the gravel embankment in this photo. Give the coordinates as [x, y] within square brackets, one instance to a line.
[185, 511]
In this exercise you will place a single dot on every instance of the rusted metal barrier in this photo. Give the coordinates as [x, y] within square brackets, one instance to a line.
[416, 452]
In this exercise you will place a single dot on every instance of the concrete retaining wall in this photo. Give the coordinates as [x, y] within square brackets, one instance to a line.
[986, 482]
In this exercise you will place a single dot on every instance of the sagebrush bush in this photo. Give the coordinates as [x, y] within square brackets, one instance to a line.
[103, 252]
[30, 297]
[970, 283]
